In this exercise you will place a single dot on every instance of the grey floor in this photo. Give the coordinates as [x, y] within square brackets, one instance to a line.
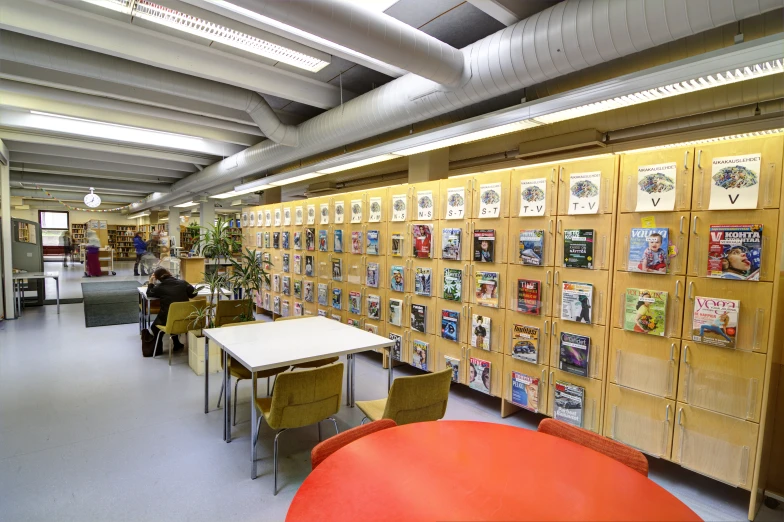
[90, 430]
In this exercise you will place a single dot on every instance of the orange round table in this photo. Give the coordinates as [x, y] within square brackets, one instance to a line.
[460, 470]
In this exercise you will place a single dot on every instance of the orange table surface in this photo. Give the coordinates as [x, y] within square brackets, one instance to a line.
[461, 470]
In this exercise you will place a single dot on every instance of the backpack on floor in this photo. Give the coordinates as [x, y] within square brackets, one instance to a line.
[148, 343]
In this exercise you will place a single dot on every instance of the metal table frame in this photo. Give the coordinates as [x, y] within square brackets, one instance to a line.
[19, 282]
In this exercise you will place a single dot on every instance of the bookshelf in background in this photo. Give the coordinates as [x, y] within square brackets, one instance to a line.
[77, 235]
[121, 240]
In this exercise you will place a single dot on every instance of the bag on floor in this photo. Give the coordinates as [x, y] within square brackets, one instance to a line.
[148, 343]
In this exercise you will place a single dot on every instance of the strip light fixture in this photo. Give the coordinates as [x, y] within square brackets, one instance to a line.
[471, 136]
[754, 134]
[360, 163]
[187, 204]
[139, 215]
[295, 179]
[235, 193]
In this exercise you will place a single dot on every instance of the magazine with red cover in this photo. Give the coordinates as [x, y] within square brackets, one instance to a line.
[529, 296]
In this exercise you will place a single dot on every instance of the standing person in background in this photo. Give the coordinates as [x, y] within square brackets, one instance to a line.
[67, 242]
[91, 261]
[169, 290]
[141, 248]
[154, 245]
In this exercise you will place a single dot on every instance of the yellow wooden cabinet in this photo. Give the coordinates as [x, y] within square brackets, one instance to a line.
[607, 183]
[676, 222]
[642, 362]
[640, 420]
[674, 286]
[679, 160]
[536, 392]
[598, 350]
[600, 279]
[603, 226]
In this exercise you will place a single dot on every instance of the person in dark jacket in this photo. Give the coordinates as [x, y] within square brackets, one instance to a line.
[141, 248]
[168, 289]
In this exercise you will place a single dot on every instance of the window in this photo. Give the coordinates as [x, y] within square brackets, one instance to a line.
[53, 220]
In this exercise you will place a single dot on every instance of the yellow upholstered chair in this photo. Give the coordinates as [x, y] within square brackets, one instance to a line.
[411, 399]
[179, 321]
[229, 311]
[310, 364]
[300, 399]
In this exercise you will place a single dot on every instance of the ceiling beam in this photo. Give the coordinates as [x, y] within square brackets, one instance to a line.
[69, 195]
[69, 171]
[105, 166]
[53, 180]
[497, 10]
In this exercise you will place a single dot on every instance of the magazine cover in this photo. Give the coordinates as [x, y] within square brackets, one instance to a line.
[487, 289]
[484, 245]
[285, 240]
[525, 391]
[422, 279]
[356, 242]
[336, 299]
[419, 318]
[397, 348]
[419, 357]
[479, 375]
[374, 307]
[397, 245]
[266, 239]
[529, 297]
[322, 244]
[322, 313]
[276, 304]
[576, 301]
[531, 247]
[578, 248]
[574, 352]
[480, 332]
[322, 294]
[284, 308]
[354, 303]
[645, 311]
[423, 237]
[309, 266]
[297, 309]
[286, 263]
[275, 283]
[735, 252]
[454, 365]
[372, 242]
[266, 301]
[525, 343]
[396, 281]
[297, 240]
[310, 239]
[307, 291]
[276, 240]
[336, 317]
[297, 264]
[715, 321]
[396, 312]
[371, 328]
[453, 284]
[298, 288]
[450, 325]
[648, 250]
[450, 243]
[337, 269]
[356, 323]
[286, 285]
[371, 275]
[337, 240]
[569, 399]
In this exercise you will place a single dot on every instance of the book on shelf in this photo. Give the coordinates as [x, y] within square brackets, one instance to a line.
[454, 365]
[276, 240]
[276, 304]
[310, 239]
[480, 331]
[298, 288]
[418, 317]
[297, 240]
[715, 321]
[284, 308]
[337, 240]
[578, 248]
[735, 252]
[450, 243]
[645, 311]
[479, 375]
[423, 238]
[569, 403]
[422, 279]
[307, 291]
[286, 263]
[574, 352]
[484, 245]
[525, 343]
[285, 285]
[298, 264]
[397, 348]
[453, 284]
[525, 391]
[576, 301]
[529, 296]
[649, 250]
[322, 241]
[419, 355]
[531, 247]
[450, 325]
[275, 282]
[486, 289]
[337, 269]
[356, 242]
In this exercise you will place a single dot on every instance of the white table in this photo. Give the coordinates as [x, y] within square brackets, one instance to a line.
[263, 346]
[18, 280]
[144, 301]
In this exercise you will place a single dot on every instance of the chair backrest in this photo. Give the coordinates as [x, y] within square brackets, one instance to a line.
[420, 398]
[179, 321]
[613, 449]
[332, 444]
[289, 318]
[229, 310]
[305, 397]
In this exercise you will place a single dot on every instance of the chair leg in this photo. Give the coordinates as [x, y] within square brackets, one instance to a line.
[171, 349]
[364, 419]
[319, 429]
[275, 462]
[155, 348]
[234, 420]
[335, 423]
[221, 394]
[268, 390]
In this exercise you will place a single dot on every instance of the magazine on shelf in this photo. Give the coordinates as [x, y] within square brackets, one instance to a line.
[298, 288]
[486, 289]
[648, 250]
[286, 264]
[531, 247]
[297, 240]
[419, 355]
[356, 323]
[322, 313]
[276, 240]
[450, 243]
[284, 308]
[645, 311]
[297, 309]
[266, 240]
[422, 236]
[419, 318]
[374, 307]
[574, 352]
[309, 271]
[569, 403]
[298, 264]
[529, 296]
[322, 244]
[323, 291]
[310, 239]
[484, 245]
[307, 291]
[578, 248]
[372, 328]
[450, 325]
[422, 279]
[266, 301]
[396, 312]
[371, 275]
[337, 302]
[715, 321]
[337, 240]
[356, 242]
[480, 331]
[337, 269]
[285, 285]
[397, 348]
[285, 240]
[276, 304]
[397, 278]
[355, 303]
[735, 252]
[275, 282]
[525, 343]
[453, 284]
[397, 245]
[372, 243]
[336, 317]
[454, 365]
[479, 375]
[576, 301]
[525, 391]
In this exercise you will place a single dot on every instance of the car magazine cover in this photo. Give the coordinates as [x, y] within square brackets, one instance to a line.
[525, 391]
[298, 264]
[645, 311]
[310, 239]
[286, 263]
[298, 288]
[356, 242]
[307, 291]
[648, 250]
[309, 266]
[484, 245]
[285, 285]
[454, 365]
[422, 279]
[397, 347]
[715, 321]
[450, 243]
[525, 343]
[578, 248]
[297, 240]
[569, 399]
[336, 299]
[276, 240]
[337, 269]
[322, 244]
[354, 304]
[419, 356]
[285, 240]
[423, 239]
[479, 375]
[573, 353]
[487, 289]
[396, 312]
[453, 284]
[397, 245]
[337, 240]
[372, 243]
[323, 290]
[374, 307]
[576, 301]
[529, 297]
[531, 247]
[735, 252]
[450, 325]
[418, 318]
[396, 280]
[480, 332]
[371, 275]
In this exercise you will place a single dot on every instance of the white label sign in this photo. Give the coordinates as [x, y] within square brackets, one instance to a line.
[324, 214]
[244, 219]
[277, 217]
[356, 211]
[311, 214]
[584, 191]
[268, 218]
[399, 207]
[490, 200]
[287, 216]
[340, 212]
[425, 205]
[656, 187]
[298, 215]
[260, 219]
[455, 203]
[375, 210]
[252, 219]
[735, 182]
[533, 197]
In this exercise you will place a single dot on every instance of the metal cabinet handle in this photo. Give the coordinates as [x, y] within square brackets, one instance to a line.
[555, 327]
[686, 160]
[694, 225]
[683, 218]
[680, 416]
[677, 288]
[699, 159]
[672, 351]
[552, 381]
[546, 323]
[552, 176]
[686, 354]
[691, 289]
[560, 174]
[667, 413]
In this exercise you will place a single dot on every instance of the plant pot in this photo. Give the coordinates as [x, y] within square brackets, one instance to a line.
[196, 354]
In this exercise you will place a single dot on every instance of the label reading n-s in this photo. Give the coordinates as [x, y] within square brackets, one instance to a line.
[399, 207]
[425, 205]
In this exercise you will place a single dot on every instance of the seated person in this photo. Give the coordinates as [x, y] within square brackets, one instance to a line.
[168, 289]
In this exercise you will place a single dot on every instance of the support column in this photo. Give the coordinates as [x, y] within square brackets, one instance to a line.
[428, 166]
[5, 217]
[207, 214]
[174, 226]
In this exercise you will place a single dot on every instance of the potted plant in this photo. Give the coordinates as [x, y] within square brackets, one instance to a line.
[201, 318]
[248, 275]
[216, 241]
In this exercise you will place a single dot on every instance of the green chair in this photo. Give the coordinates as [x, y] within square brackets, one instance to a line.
[229, 311]
[300, 399]
[411, 399]
[179, 321]
[310, 364]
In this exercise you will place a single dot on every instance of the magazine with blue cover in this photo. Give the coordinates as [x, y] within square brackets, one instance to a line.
[450, 324]
[648, 250]
[322, 244]
[450, 243]
[531, 247]
[372, 242]
[574, 353]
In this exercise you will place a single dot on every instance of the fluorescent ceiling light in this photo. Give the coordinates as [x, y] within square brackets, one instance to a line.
[121, 6]
[235, 193]
[373, 5]
[295, 179]
[159, 14]
[360, 163]
[186, 205]
[140, 214]
[754, 134]
[471, 136]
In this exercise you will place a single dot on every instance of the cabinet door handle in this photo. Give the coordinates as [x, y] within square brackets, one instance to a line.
[552, 381]
[560, 174]
[558, 227]
[686, 354]
[550, 226]
[555, 327]
[546, 323]
[680, 416]
[699, 159]
[686, 160]
[691, 289]
[552, 176]
[672, 351]
[667, 414]
[694, 225]
[557, 277]
[677, 288]
[683, 218]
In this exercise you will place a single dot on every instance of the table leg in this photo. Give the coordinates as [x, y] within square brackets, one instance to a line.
[350, 384]
[57, 285]
[348, 380]
[253, 427]
[390, 377]
[225, 372]
[227, 391]
[206, 374]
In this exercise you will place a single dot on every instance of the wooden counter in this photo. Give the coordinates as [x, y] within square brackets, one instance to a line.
[192, 269]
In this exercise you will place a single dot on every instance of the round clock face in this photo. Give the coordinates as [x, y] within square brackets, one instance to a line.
[92, 200]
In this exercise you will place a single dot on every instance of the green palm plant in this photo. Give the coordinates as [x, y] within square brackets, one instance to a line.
[216, 241]
[248, 274]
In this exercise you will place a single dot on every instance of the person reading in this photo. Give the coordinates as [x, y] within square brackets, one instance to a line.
[168, 289]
